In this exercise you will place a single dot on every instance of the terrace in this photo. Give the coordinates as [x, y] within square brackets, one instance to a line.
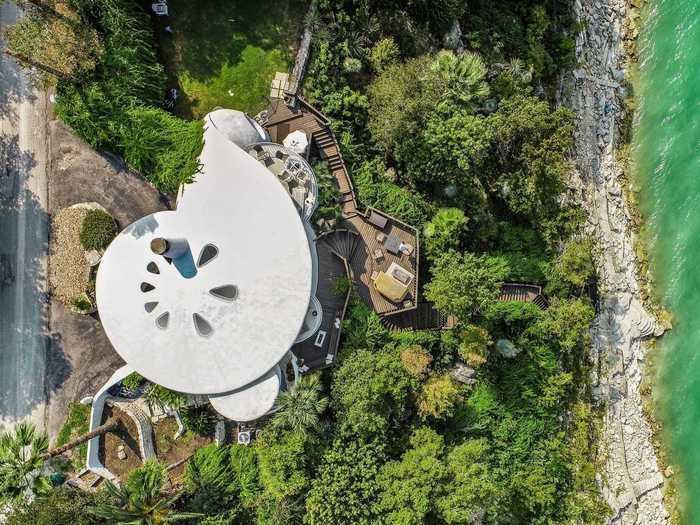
[384, 261]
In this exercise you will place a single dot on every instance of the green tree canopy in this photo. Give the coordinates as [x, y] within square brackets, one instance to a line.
[21, 460]
[300, 406]
[474, 344]
[416, 360]
[463, 284]
[411, 485]
[444, 232]
[438, 397]
[142, 499]
[470, 496]
[371, 392]
[345, 488]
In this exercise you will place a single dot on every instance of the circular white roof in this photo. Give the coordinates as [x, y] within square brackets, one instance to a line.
[183, 335]
[252, 402]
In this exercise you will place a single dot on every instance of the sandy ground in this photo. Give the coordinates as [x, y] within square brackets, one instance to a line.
[24, 338]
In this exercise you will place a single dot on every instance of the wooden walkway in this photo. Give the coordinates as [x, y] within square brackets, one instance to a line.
[321, 349]
[282, 120]
[358, 253]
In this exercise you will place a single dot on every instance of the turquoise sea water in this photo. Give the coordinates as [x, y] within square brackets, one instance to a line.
[667, 156]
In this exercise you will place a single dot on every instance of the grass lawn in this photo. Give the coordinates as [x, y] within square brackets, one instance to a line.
[226, 52]
[77, 423]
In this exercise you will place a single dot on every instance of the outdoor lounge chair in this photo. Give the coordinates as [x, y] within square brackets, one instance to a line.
[390, 287]
[377, 220]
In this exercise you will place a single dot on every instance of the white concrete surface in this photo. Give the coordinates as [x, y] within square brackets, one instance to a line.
[98, 405]
[251, 402]
[23, 240]
[238, 127]
[241, 208]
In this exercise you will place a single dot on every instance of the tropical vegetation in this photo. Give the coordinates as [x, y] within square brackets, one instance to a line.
[462, 138]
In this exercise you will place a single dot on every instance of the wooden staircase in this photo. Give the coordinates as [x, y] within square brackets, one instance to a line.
[330, 151]
[424, 317]
[528, 293]
[341, 243]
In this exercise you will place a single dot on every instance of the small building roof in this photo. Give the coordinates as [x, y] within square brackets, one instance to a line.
[211, 326]
[251, 402]
[238, 127]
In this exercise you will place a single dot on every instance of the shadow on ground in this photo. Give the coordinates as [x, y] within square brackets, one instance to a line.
[23, 244]
[78, 173]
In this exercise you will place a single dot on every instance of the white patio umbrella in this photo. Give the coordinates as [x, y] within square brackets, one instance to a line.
[297, 142]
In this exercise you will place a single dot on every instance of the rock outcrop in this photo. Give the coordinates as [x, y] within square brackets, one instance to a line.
[631, 481]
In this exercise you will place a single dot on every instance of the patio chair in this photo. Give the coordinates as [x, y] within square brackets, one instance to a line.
[381, 237]
[377, 220]
[378, 255]
[406, 248]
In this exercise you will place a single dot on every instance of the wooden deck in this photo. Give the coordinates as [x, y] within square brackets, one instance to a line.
[282, 120]
[321, 349]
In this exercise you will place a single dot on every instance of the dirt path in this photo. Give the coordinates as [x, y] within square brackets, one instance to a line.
[24, 113]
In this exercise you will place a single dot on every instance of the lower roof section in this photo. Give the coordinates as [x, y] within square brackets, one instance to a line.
[251, 402]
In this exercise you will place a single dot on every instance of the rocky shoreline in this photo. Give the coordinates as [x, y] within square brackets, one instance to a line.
[631, 481]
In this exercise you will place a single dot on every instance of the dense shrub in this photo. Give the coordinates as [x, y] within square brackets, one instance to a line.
[395, 200]
[157, 395]
[118, 106]
[98, 230]
[133, 381]
[61, 506]
[199, 419]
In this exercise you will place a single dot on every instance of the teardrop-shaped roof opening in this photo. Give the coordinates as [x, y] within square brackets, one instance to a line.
[152, 268]
[150, 306]
[162, 320]
[208, 253]
[147, 287]
[202, 325]
[228, 292]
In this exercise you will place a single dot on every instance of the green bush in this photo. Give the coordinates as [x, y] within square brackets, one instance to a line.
[342, 285]
[383, 54]
[133, 381]
[157, 395]
[81, 304]
[98, 230]
[402, 203]
[199, 420]
[117, 107]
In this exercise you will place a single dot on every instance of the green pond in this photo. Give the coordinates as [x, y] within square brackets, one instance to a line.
[667, 157]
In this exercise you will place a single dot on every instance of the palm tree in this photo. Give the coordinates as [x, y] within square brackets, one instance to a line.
[21, 459]
[517, 69]
[301, 406]
[462, 75]
[142, 500]
[22, 455]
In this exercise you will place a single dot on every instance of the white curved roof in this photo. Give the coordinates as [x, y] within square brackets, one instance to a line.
[240, 207]
[252, 402]
[238, 127]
